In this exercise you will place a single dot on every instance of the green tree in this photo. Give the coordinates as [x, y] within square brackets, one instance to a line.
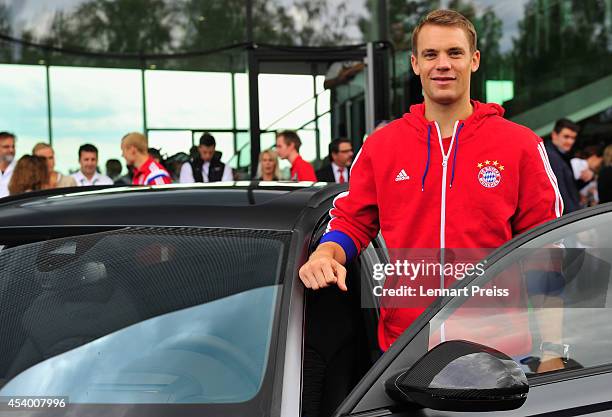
[561, 46]
[5, 29]
[306, 23]
[404, 16]
[117, 26]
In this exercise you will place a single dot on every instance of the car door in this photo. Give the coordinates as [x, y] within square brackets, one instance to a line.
[562, 276]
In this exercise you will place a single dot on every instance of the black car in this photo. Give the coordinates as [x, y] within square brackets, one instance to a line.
[185, 301]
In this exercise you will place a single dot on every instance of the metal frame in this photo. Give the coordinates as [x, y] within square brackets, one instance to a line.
[262, 53]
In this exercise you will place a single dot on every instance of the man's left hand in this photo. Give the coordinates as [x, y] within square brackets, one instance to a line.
[548, 364]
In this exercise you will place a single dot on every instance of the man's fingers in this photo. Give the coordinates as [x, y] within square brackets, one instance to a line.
[328, 273]
[340, 275]
[308, 278]
[320, 277]
[320, 273]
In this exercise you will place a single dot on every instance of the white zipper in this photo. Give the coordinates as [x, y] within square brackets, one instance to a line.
[445, 157]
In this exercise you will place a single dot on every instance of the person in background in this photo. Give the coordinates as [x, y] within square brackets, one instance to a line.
[113, 169]
[56, 179]
[174, 164]
[205, 165]
[558, 148]
[7, 161]
[134, 148]
[604, 181]
[268, 170]
[341, 157]
[585, 165]
[156, 155]
[88, 173]
[288, 145]
[30, 174]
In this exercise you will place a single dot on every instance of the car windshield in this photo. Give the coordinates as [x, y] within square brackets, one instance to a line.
[140, 316]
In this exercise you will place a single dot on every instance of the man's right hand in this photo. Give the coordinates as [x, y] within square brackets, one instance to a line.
[587, 175]
[324, 269]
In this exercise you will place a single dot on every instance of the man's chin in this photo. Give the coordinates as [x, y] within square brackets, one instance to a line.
[444, 98]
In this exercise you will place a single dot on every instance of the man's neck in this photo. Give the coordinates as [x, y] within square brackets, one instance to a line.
[140, 159]
[338, 165]
[447, 114]
[89, 177]
[4, 166]
[293, 156]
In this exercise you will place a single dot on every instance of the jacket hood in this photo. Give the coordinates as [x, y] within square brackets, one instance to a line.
[482, 111]
[465, 130]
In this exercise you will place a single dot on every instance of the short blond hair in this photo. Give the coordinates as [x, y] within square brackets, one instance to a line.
[40, 146]
[138, 140]
[442, 17]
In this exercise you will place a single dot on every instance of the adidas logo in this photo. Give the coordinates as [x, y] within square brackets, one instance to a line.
[402, 176]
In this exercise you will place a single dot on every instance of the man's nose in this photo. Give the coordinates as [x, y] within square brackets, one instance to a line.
[443, 62]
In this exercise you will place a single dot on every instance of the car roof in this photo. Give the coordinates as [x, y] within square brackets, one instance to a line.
[241, 204]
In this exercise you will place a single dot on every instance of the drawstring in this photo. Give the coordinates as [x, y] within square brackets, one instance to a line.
[428, 153]
[455, 156]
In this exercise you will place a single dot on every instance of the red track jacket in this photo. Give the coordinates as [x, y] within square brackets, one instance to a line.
[494, 183]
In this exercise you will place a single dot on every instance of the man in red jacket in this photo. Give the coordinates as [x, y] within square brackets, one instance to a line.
[288, 145]
[452, 173]
[135, 150]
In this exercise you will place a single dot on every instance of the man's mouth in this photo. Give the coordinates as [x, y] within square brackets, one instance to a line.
[443, 79]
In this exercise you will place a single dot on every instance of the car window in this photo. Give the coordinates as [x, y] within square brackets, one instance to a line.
[140, 315]
[553, 305]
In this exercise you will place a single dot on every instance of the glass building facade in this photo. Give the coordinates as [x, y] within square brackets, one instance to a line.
[78, 71]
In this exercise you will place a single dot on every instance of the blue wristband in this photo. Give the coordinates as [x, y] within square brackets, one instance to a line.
[342, 239]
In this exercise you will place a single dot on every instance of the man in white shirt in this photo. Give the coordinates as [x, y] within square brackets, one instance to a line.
[341, 157]
[7, 161]
[88, 174]
[206, 168]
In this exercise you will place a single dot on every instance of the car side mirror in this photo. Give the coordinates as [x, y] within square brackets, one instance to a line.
[461, 376]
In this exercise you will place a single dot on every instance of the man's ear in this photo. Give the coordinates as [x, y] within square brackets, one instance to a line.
[413, 63]
[475, 61]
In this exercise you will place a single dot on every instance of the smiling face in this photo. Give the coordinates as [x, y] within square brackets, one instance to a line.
[88, 162]
[344, 156]
[565, 139]
[444, 63]
[7, 149]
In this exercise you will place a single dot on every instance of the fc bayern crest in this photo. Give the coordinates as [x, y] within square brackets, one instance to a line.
[489, 176]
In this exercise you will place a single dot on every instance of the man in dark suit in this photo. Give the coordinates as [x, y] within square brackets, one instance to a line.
[340, 156]
[558, 148]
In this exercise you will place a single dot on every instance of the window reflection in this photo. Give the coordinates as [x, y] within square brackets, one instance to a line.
[170, 142]
[24, 109]
[93, 105]
[182, 99]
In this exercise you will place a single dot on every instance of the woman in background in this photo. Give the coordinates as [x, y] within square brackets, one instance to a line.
[268, 170]
[30, 174]
[56, 180]
[604, 180]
